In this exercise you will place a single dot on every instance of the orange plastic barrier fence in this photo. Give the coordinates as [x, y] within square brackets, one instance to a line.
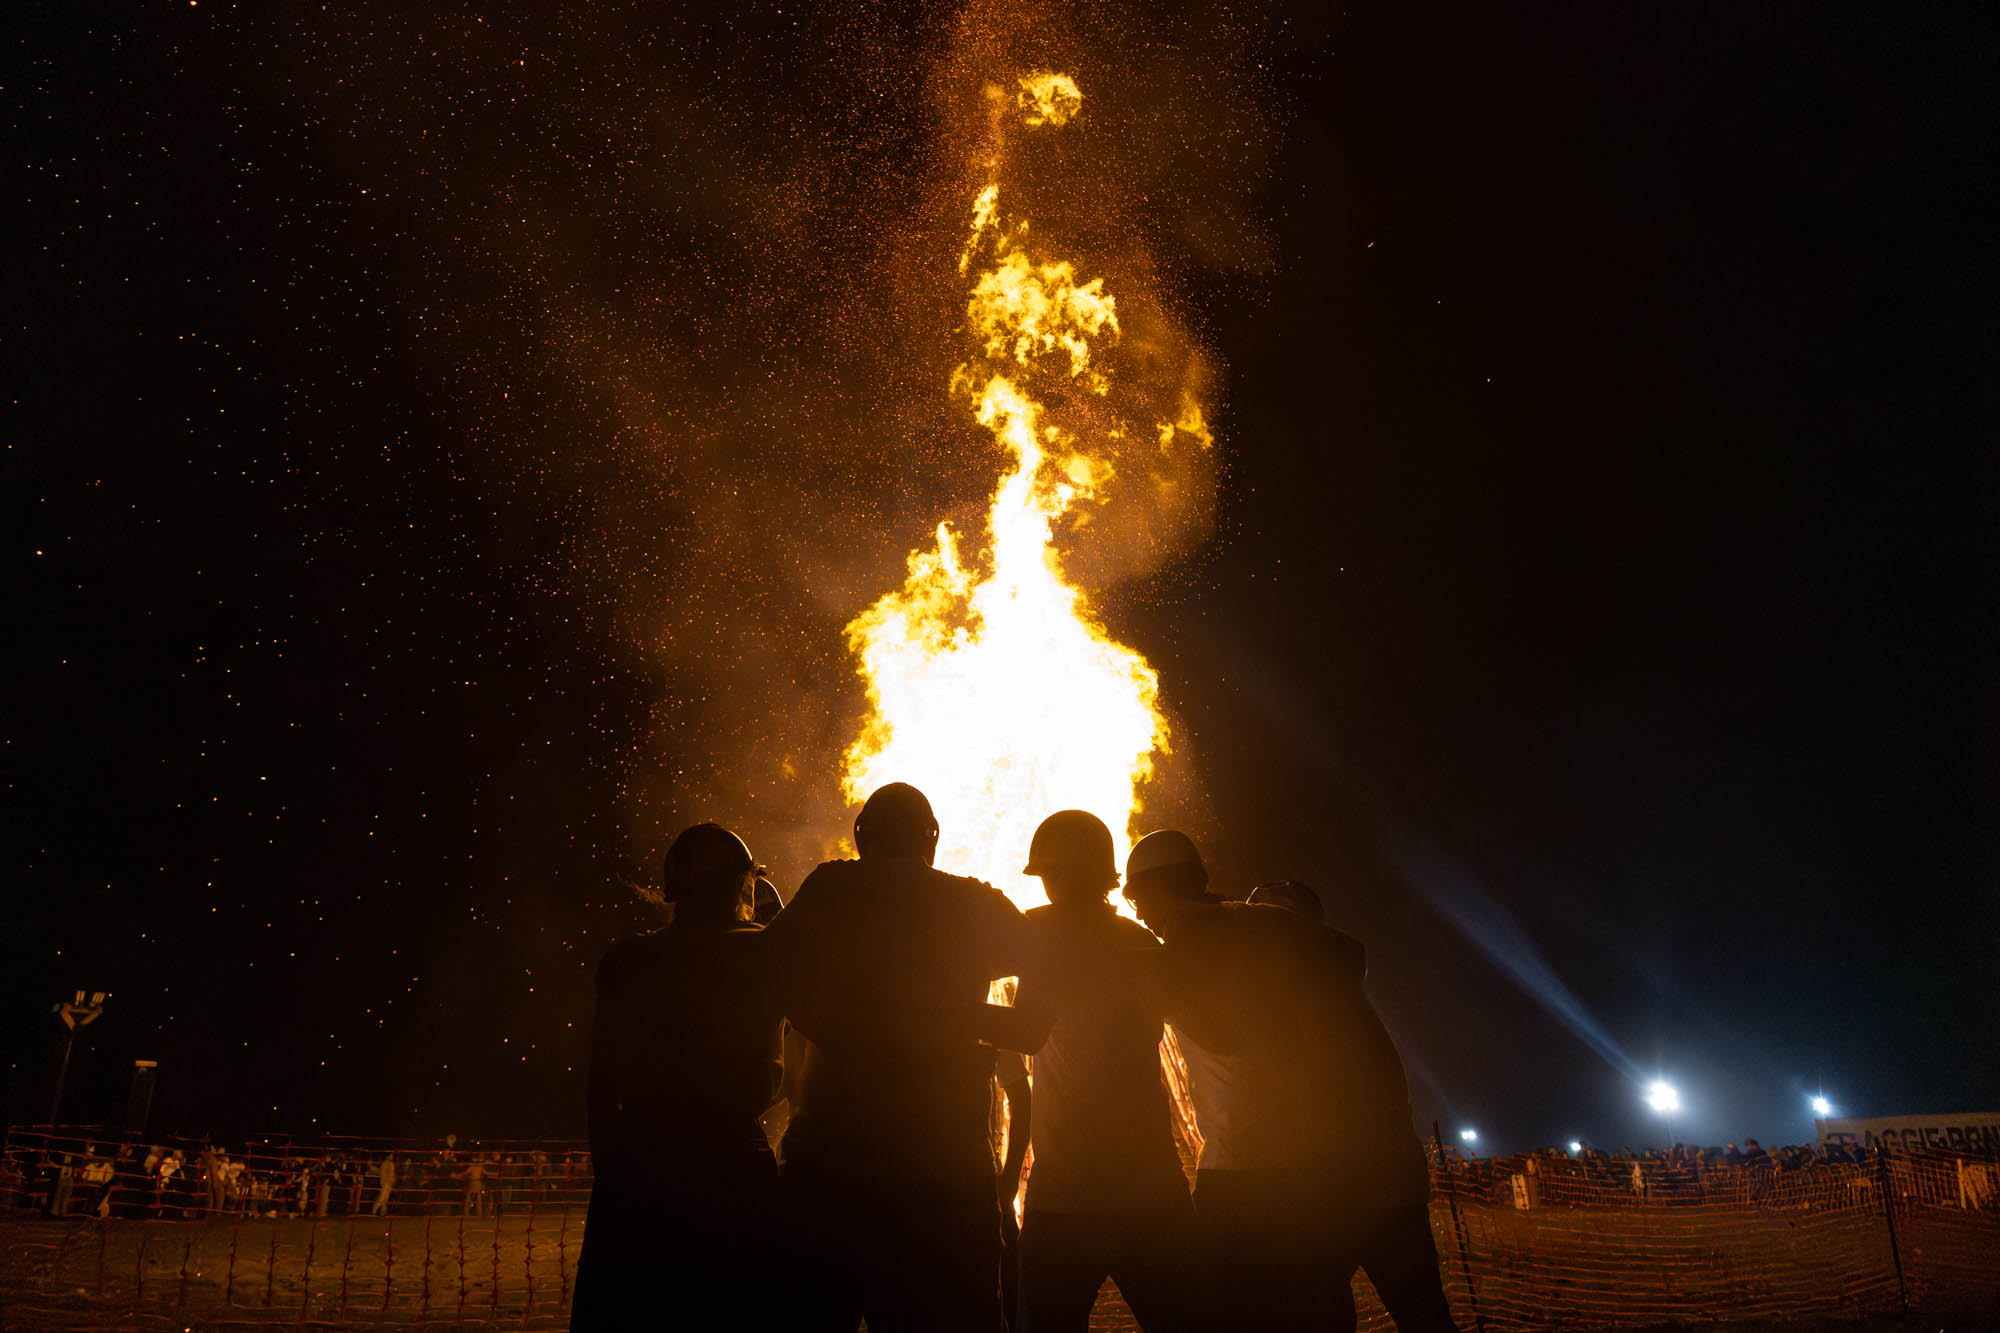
[487, 1235]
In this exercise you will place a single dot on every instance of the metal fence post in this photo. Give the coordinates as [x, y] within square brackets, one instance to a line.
[1458, 1227]
[1889, 1217]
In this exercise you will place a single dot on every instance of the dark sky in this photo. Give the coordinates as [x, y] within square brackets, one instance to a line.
[442, 451]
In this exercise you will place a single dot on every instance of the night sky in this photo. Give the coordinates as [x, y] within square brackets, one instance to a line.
[443, 449]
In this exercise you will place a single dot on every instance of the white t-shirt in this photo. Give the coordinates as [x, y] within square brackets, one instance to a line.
[1226, 1118]
[1103, 1133]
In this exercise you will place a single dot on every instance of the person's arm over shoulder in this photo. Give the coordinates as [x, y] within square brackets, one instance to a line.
[790, 927]
[1005, 939]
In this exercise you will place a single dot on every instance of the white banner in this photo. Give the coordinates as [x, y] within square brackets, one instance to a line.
[1975, 1132]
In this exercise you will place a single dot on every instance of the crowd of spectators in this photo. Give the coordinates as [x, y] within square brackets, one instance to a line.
[107, 1178]
[82, 1177]
[1749, 1173]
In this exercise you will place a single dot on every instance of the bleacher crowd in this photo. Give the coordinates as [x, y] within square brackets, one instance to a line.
[106, 1178]
[1684, 1173]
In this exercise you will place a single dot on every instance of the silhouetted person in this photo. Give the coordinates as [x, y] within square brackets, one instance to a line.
[888, 1165]
[1296, 1090]
[1107, 1197]
[475, 1186]
[385, 1184]
[1383, 1179]
[211, 1177]
[683, 1060]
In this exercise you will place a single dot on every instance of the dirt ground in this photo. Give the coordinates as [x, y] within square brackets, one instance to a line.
[1555, 1269]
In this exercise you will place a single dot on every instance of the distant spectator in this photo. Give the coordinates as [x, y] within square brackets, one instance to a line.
[62, 1183]
[212, 1181]
[502, 1173]
[385, 1183]
[539, 1176]
[475, 1186]
[97, 1176]
[170, 1175]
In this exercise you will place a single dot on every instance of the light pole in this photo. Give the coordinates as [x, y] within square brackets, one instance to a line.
[78, 1013]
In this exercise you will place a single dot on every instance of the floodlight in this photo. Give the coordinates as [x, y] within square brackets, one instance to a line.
[1662, 1097]
[1468, 1134]
[1822, 1107]
[1576, 1145]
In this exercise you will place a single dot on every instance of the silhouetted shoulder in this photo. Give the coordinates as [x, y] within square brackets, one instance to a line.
[1131, 935]
[827, 875]
[993, 906]
[988, 897]
[810, 901]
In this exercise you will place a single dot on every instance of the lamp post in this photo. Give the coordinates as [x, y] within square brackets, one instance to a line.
[77, 1013]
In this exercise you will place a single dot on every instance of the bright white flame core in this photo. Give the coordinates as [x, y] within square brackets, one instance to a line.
[1662, 1098]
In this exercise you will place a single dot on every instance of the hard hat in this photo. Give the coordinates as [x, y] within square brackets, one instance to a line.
[1073, 842]
[701, 854]
[1292, 896]
[896, 811]
[1161, 850]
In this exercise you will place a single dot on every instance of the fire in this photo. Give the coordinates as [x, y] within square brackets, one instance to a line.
[1047, 98]
[992, 684]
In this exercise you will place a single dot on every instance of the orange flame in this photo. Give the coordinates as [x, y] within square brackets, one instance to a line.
[991, 683]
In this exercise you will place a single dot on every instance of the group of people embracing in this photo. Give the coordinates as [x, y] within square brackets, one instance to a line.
[863, 1005]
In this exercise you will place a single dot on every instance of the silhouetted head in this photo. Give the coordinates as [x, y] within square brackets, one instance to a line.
[1291, 895]
[1163, 877]
[896, 821]
[708, 874]
[1072, 855]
